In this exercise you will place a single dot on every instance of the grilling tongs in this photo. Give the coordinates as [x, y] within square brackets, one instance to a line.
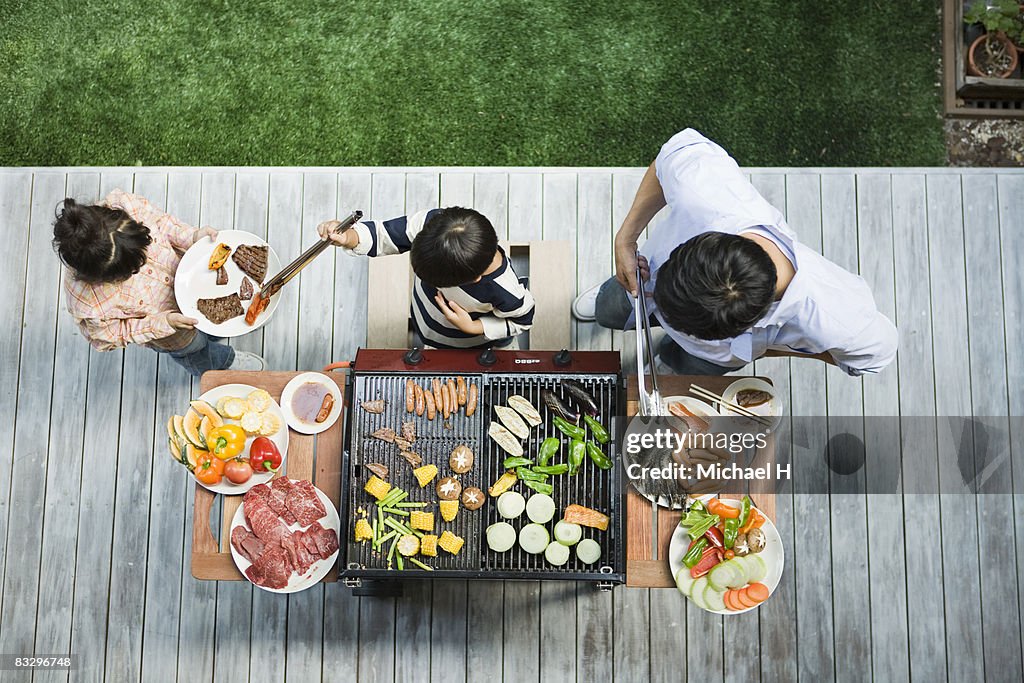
[650, 401]
[274, 284]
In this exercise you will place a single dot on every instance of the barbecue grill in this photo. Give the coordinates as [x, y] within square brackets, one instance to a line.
[382, 374]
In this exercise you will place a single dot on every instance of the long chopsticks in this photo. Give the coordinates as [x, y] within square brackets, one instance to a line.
[275, 283]
[700, 391]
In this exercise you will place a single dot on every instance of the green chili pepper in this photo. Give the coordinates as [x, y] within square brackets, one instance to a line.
[539, 486]
[692, 556]
[732, 528]
[547, 450]
[568, 428]
[600, 433]
[510, 463]
[744, 511]
[598, 456]
[577, 451]
[698, 529]
[560, 468]
[526, 474]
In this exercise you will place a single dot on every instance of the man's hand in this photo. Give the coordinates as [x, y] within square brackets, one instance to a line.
[348, 239]
[206, 232]
[458, 316]
[626, 263]
[181, 322]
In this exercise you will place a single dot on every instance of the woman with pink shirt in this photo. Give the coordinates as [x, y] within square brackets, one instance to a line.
[121, 256]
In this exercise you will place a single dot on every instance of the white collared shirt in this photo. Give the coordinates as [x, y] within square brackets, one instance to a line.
[824, 308]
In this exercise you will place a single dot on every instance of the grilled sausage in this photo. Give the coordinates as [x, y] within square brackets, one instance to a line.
[421, 403]
[410, 396]
[455, 396]
[462, 393]
[438, 399]
[446, 398]
[471, 400]
[431, 405]
[325, 408]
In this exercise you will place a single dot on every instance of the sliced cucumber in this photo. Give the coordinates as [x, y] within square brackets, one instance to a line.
[697, 592]
[568, 533]
[556, 553]
[533, 538]
[713, 599]
[757, 569]
[511, 504]
[722, 575]
[739, 578]
[684, 581]
[540, 508]
[501, 537]
[588, 551]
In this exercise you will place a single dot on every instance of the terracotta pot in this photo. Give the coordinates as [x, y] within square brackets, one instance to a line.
[1011, 50]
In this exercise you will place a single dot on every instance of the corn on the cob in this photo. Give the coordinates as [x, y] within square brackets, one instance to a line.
[421, 520]
[424, 475]
[449, 509]
[377, 487]
[451, 542]
[428, 545]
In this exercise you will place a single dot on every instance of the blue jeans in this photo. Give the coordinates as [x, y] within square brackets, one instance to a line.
[201, 354]
[613, 309]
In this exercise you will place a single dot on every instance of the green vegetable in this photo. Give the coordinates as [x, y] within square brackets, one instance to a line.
[698, 529]
[393, 511]
[568, 428]
[383, 539]
[560, 468]
[744, 511]
[732, 528]
[539, 487]
[598, 430]
[547, 450]
[526, 474]
[513, 462]
[692, 556]
[598, 456]
[696, 515]
[577, 451]
[420, 564]
[411, 505]
[400, 561]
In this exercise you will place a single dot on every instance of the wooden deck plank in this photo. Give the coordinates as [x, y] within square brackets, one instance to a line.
[251, 204]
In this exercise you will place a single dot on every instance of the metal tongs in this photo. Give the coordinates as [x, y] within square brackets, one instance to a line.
[650, 401]
[274, 284]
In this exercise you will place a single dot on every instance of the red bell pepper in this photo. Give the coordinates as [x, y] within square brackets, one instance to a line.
[714, 536]
[263, 455]
[708, 560]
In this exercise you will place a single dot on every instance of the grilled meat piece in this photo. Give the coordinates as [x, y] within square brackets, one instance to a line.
[221, 309]
[222, 276]
[375, 407]
[748, 398]
[252, 260]
[378, 469]
[409, 431]
[413, 459]
[384, 434]
[245, 292]
[402, 443]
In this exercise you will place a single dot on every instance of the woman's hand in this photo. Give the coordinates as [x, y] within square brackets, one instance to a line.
[348, 239]
[181, 322]
[625, 265]
[206, 232]
[458, 316]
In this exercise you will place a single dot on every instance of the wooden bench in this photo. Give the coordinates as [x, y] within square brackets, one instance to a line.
[548, 265]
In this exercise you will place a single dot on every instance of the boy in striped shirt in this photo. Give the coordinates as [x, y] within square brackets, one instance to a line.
[466, 294]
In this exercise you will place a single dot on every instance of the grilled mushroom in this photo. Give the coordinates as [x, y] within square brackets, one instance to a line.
[740, 546]
[756, 540]
[449, 488]
[473, 498]
[461, 459]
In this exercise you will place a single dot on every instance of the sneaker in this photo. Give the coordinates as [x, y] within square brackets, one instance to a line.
[247, 361]
[584, 308]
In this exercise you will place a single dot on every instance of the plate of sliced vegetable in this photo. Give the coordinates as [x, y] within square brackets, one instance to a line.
[726, 555]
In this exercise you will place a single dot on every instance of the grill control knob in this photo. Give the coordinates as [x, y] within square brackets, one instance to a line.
[413, 356]
[563, 358]
[487, 357]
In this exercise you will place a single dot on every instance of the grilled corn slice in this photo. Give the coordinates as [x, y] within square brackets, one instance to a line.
[451, 542]
[408, 545]
[377, 487]
[428, 545]
[449, 508]
[364, 532]
[421, 520]
[425, 474]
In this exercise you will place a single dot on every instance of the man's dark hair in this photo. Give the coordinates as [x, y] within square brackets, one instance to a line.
[455, 247]
[715, 286]
[99, 243]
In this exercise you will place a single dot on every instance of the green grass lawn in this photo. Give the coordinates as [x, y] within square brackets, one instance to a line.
[495, 82]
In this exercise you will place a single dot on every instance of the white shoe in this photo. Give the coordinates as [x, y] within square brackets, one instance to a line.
[247, 361]
[584, 308]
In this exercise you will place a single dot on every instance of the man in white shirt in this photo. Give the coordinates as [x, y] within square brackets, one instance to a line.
[730, 281]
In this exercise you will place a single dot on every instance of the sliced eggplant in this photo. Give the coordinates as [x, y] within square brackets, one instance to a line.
[512, 422]
[581, 396]
[523, 406]
[557, 406]
[506, 439]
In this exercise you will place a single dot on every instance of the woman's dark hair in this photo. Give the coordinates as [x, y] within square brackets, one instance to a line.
[715, 286]
[455, 247]
[100, 244]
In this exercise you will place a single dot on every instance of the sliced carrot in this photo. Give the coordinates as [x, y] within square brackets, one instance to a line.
[727, 598]
[741, 598]
[757, 592]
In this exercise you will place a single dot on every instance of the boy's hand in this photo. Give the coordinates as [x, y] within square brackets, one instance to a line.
[206, 232]
[348, 239]
[458, 316]
[181, 322]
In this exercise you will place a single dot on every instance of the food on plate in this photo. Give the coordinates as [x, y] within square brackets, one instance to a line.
[269, 424]
[251, 422]
[461, 390]
[501, 536]
[449, 509]
[695, 422]
[190, 427]
[208, 470]
[263, 455]
[749, 398]
[226, 441]
[425, 474]
[431, 404]
[471, 400]
[384, 434]
[421, 403]
[540, 508]
[220, 309]
[755, 540]
[252, 260]
[378, 469]
[409, 431]
[258, 304]
[408, 545]
[522, 405]
[557, 406]
[504, 483]
[511, 504]
[583, 398]
[412, 458]
[237, 471]
[567, 533]
[424, 521]
[461, 459]
[508, 442]
[534, 539]
[449, 488]
[234, 407]
[556, 553]
[222, 277]
[584, 516]
[588, 551]
[260, 400]
[308, 400]
[204, 409]
[450, 542]
[428, 545]
[375, 407]
[410, 395]
[377, 487]
[364, 532]
[472, 498]
[245, 290]
[511, 421]
[219, 256]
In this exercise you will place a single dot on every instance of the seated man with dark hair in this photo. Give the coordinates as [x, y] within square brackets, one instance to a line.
[730, 282]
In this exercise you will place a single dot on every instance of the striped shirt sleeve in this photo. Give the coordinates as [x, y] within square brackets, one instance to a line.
[394, 236]
[513, 308]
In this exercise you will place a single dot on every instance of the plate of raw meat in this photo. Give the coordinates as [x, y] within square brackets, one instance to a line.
[284, 535]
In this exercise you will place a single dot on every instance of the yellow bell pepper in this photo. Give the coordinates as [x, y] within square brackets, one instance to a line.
[226, 441]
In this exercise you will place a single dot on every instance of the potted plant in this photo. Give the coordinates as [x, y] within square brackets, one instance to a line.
[994, 53]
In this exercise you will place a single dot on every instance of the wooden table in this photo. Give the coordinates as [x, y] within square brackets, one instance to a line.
[649, 528]
[316, 458]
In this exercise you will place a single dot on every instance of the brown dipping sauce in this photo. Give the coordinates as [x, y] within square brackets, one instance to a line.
[307, 400]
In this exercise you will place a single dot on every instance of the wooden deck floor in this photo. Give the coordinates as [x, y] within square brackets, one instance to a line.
[93, 524]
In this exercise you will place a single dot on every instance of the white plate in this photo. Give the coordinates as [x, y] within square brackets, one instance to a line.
[294, 421]
[773, 408]
[319, 568]
[280, 439]
[692, 404]
[194, 280]
[773, 556]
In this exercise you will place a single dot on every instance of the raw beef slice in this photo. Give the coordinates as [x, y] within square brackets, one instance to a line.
[265, 523]
[247, 545]
[304, 503]
[271, 569]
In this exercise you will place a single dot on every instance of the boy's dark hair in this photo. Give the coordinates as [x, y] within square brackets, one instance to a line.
[455, 247]
[715, 286]
[100, 244]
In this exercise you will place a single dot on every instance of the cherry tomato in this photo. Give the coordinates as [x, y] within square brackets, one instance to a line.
[209, 469]
[237, 471]
[263, 455]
